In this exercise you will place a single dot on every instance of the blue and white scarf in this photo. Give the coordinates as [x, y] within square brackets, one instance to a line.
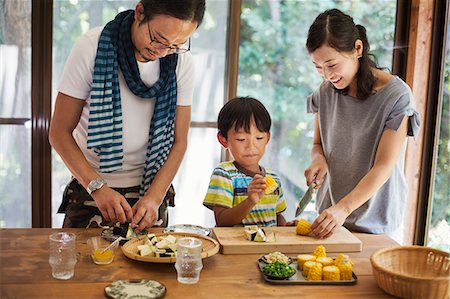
[115, 49]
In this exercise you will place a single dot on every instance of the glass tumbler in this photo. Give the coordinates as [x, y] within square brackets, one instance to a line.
[62, 254]
[189, 260]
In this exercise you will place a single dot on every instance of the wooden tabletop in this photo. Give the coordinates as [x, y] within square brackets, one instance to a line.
[25, 272]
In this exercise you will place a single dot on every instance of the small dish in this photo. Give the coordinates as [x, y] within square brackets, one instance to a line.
[128, 289]
[264, 259]
[278, 267]
[280, 277]
[188, 228]
[97, 245]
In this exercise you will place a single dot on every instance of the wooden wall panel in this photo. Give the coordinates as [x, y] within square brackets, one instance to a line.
[417, 73]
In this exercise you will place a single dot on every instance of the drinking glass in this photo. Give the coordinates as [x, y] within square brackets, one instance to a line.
[62, 255]
[189, 260]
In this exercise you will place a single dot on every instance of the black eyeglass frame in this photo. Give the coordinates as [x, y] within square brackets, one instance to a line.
[171, 49]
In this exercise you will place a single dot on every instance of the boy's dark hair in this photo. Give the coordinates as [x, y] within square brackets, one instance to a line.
[186, 10]
[238, 113]
[338, 30]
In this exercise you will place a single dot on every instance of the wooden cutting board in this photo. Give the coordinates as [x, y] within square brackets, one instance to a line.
[233, 241]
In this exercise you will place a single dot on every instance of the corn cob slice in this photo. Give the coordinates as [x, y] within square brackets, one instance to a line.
[303, 258]
[315, 273]
[325, 261]
[307, 266]
[271, 185]
[340, 257]
[320, 251]
[303, 227]
[331, 273]
[346, 269]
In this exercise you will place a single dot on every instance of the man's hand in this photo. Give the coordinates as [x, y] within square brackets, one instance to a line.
[112, 204]
[145, 213]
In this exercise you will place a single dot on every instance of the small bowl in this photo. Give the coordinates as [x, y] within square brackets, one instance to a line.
[280, 277]
[270, 276]
[264, 259]
[97, 245]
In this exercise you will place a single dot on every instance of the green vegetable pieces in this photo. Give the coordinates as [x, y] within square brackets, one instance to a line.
[279, 270]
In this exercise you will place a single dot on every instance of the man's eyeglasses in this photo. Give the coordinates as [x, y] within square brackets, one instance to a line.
[170, 49]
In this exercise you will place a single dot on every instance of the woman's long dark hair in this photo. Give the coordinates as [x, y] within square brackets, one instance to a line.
[338, 30]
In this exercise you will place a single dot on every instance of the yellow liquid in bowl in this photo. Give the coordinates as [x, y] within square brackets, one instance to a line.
[102, 258]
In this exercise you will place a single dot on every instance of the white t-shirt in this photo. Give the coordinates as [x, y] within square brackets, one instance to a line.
[76, 81]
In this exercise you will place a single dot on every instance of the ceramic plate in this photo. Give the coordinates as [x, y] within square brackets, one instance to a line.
[128, 289]
[188, 228]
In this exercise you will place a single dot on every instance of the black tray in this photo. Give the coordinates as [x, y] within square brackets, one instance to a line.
[298, 278]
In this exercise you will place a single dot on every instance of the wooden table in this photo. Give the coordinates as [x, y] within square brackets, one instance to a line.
[25, 272]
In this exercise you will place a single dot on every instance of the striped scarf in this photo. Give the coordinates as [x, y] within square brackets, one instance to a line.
[115, 49]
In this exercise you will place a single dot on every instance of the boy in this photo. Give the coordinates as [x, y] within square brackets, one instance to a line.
[237, 192]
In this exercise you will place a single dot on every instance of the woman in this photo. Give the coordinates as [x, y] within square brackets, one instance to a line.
[362, 118]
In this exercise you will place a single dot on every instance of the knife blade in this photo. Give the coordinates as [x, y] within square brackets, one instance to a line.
[305, 199]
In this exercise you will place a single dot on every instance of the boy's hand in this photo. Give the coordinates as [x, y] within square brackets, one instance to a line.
[256, 188]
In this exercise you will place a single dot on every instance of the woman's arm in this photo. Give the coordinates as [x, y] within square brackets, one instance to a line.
[388, 151]
[111, 204]
[318, 164]
[146, 209]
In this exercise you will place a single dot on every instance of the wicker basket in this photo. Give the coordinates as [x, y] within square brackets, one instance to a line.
[412, 271]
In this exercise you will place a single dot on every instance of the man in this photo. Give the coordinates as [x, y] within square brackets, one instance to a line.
[122, 114]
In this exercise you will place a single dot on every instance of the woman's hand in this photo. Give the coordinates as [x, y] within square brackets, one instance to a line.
[318, 168]
[112, 204]
[329, 221]
[256, 188]
[145, 213]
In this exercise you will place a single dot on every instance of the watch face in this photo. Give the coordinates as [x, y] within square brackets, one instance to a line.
[96, 184]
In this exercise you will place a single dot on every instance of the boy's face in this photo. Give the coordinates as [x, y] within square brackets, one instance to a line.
[247, 149]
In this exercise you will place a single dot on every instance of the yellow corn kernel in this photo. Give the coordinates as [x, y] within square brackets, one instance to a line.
[271, 185]
[325, 261]
[345, 269]
[303, 258]
[340, 257]
[331, 273]
[303, 227]
[320, 251]
[307, 266]
[315, 273]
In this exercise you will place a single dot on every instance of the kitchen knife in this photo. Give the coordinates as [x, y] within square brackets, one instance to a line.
[305, 199]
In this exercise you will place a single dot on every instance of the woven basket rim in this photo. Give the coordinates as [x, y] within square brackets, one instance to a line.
[378, 267]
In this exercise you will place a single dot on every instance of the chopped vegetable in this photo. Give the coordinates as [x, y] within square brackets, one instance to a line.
[279, 269]
[303, 227]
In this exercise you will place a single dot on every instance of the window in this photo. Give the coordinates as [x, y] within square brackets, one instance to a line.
[439, 222]
[15, 114]
[274, 66]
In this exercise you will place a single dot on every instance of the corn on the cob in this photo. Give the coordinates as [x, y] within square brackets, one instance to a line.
[345, 269]
[315, 273]
[340, 257]
[307, 266]
[331, 273]
[325, 261]
[271, 185]
[303, 258]
[303, 227]
[320, 251]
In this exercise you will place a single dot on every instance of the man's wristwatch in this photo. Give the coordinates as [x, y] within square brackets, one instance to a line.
[95, 185]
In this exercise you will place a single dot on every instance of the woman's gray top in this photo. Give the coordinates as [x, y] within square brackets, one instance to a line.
[350, 131]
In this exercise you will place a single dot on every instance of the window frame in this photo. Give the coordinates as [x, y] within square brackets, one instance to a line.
[42, 20]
